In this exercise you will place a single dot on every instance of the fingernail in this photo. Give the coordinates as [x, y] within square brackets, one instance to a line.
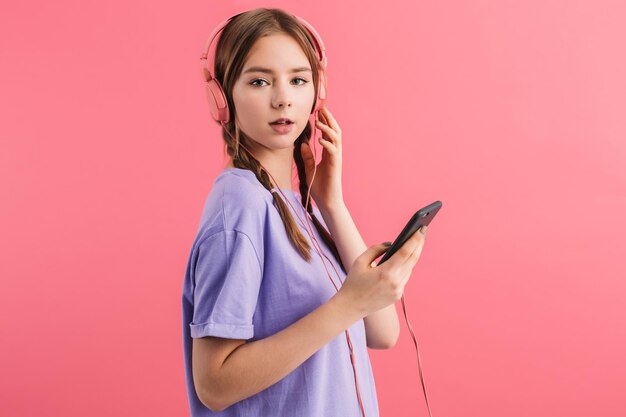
[423, 229]
[387, 243]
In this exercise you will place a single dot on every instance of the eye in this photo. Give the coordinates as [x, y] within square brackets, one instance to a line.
[256, 85]
[260, 79]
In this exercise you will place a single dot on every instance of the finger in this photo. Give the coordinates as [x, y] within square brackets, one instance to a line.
[309, 161]
[306, 151]
[421, 232]
[335, 129]
[415, 256]
[331, 120]
[307, 156]
[330, 134]
[412, 261]
[330, 148]
[411, 245]
[321, 119]
[372, 253]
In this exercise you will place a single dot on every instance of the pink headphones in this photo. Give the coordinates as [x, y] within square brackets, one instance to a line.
[214, 92]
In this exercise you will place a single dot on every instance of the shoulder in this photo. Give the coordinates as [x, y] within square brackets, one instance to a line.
[242, 189]
[244, 199]
[236, 202]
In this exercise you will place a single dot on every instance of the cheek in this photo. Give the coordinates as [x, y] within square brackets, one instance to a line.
[250, 99]
[246, 104]
[311, 95]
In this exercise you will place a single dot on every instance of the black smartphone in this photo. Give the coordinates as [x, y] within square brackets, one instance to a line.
[422, 217]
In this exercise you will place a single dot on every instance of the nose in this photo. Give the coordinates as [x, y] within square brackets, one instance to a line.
[281, 98]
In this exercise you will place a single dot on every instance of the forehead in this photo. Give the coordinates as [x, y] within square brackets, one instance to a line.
[278, 53]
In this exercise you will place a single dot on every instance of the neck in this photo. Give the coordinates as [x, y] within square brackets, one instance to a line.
[279, 170]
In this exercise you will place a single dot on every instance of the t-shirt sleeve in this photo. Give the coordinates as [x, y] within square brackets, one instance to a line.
[228, 278]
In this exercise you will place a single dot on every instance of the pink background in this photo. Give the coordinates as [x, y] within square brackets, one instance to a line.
[510, 113]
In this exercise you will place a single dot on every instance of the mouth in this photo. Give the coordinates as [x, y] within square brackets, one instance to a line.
[282, 121]
[282, 127]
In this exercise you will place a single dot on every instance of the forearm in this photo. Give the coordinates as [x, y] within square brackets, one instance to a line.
[255, 366]
[382, 327]
[347, 238]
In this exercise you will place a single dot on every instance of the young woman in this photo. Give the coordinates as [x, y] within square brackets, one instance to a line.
[277, 323]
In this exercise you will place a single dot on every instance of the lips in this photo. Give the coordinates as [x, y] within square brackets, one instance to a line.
[282, 121]
[282, 128]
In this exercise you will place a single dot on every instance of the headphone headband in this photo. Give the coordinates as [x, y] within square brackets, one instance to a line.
[207, 61]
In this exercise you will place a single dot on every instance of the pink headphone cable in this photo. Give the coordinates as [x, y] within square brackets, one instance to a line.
[320, 252]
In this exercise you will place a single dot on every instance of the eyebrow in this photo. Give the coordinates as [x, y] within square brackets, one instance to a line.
[269, 71]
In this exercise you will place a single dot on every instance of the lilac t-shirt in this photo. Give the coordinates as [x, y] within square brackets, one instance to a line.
[244, 280]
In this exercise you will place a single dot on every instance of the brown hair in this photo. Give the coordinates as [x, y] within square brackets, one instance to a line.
[235, 41]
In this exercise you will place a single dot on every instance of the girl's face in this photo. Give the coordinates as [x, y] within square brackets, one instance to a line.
[267, 89]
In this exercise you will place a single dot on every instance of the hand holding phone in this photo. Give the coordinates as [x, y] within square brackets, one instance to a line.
[364, 289]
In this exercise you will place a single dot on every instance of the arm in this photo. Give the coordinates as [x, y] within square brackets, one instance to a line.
[253, 367]
[382, 327]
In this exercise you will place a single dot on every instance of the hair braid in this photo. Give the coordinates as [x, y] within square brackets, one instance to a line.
[242, 159]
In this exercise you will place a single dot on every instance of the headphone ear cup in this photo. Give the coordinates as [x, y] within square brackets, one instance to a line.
[217, 101]
[321, 92]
